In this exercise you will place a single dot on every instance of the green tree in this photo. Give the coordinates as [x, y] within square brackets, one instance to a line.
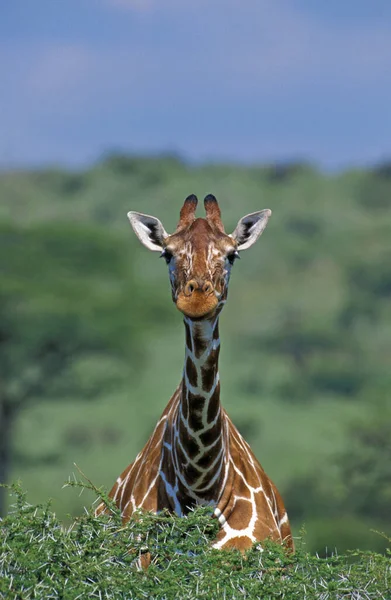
[66, 296]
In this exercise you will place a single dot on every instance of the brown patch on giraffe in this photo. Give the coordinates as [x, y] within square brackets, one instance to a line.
[209, 370]
[200, 344]
[191, 372]
[196, 404]
[207, 459]
[191, 474]
[186, 501]
[181, 456]
[242, 542]
[163, 500]
[207, 487]
[200, 482]
[168, 468]
[204, 485]
[214, 404]
[216, 456]
[266, 529]
[241, 515]
[185, 406]
[211, 435]
[188, 442]
[286, 536]
[189, 341]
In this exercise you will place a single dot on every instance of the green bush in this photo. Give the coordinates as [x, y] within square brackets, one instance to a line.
[97, 558]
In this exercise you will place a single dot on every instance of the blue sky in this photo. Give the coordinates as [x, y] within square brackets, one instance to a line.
[238, 80]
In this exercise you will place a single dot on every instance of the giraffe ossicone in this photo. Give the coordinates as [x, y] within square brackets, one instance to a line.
[195, 455]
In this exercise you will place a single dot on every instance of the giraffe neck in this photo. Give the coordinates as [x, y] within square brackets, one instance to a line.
[200, 439]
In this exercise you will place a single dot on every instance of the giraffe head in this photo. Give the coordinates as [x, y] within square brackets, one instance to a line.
[199, 254]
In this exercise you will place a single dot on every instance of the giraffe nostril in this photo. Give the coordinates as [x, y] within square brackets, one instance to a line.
[190, 287]
[208, 287]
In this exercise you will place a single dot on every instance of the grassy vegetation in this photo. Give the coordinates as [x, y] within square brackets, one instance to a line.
[91, 347]
[97, 558]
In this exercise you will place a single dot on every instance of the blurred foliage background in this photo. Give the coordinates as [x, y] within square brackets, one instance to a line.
[91, 346]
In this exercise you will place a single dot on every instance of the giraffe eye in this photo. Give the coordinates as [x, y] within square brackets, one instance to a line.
[167, 255]
[232, 256]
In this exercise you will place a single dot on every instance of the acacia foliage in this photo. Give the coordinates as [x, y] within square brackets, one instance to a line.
[97, 558]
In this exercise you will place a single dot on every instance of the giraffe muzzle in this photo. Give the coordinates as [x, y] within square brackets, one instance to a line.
[194, 285]
[197, 299]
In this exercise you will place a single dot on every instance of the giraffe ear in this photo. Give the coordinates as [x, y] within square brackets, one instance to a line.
[149, 230]
[249, 228]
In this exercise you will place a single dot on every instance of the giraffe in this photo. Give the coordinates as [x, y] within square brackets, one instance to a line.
[196, 456]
